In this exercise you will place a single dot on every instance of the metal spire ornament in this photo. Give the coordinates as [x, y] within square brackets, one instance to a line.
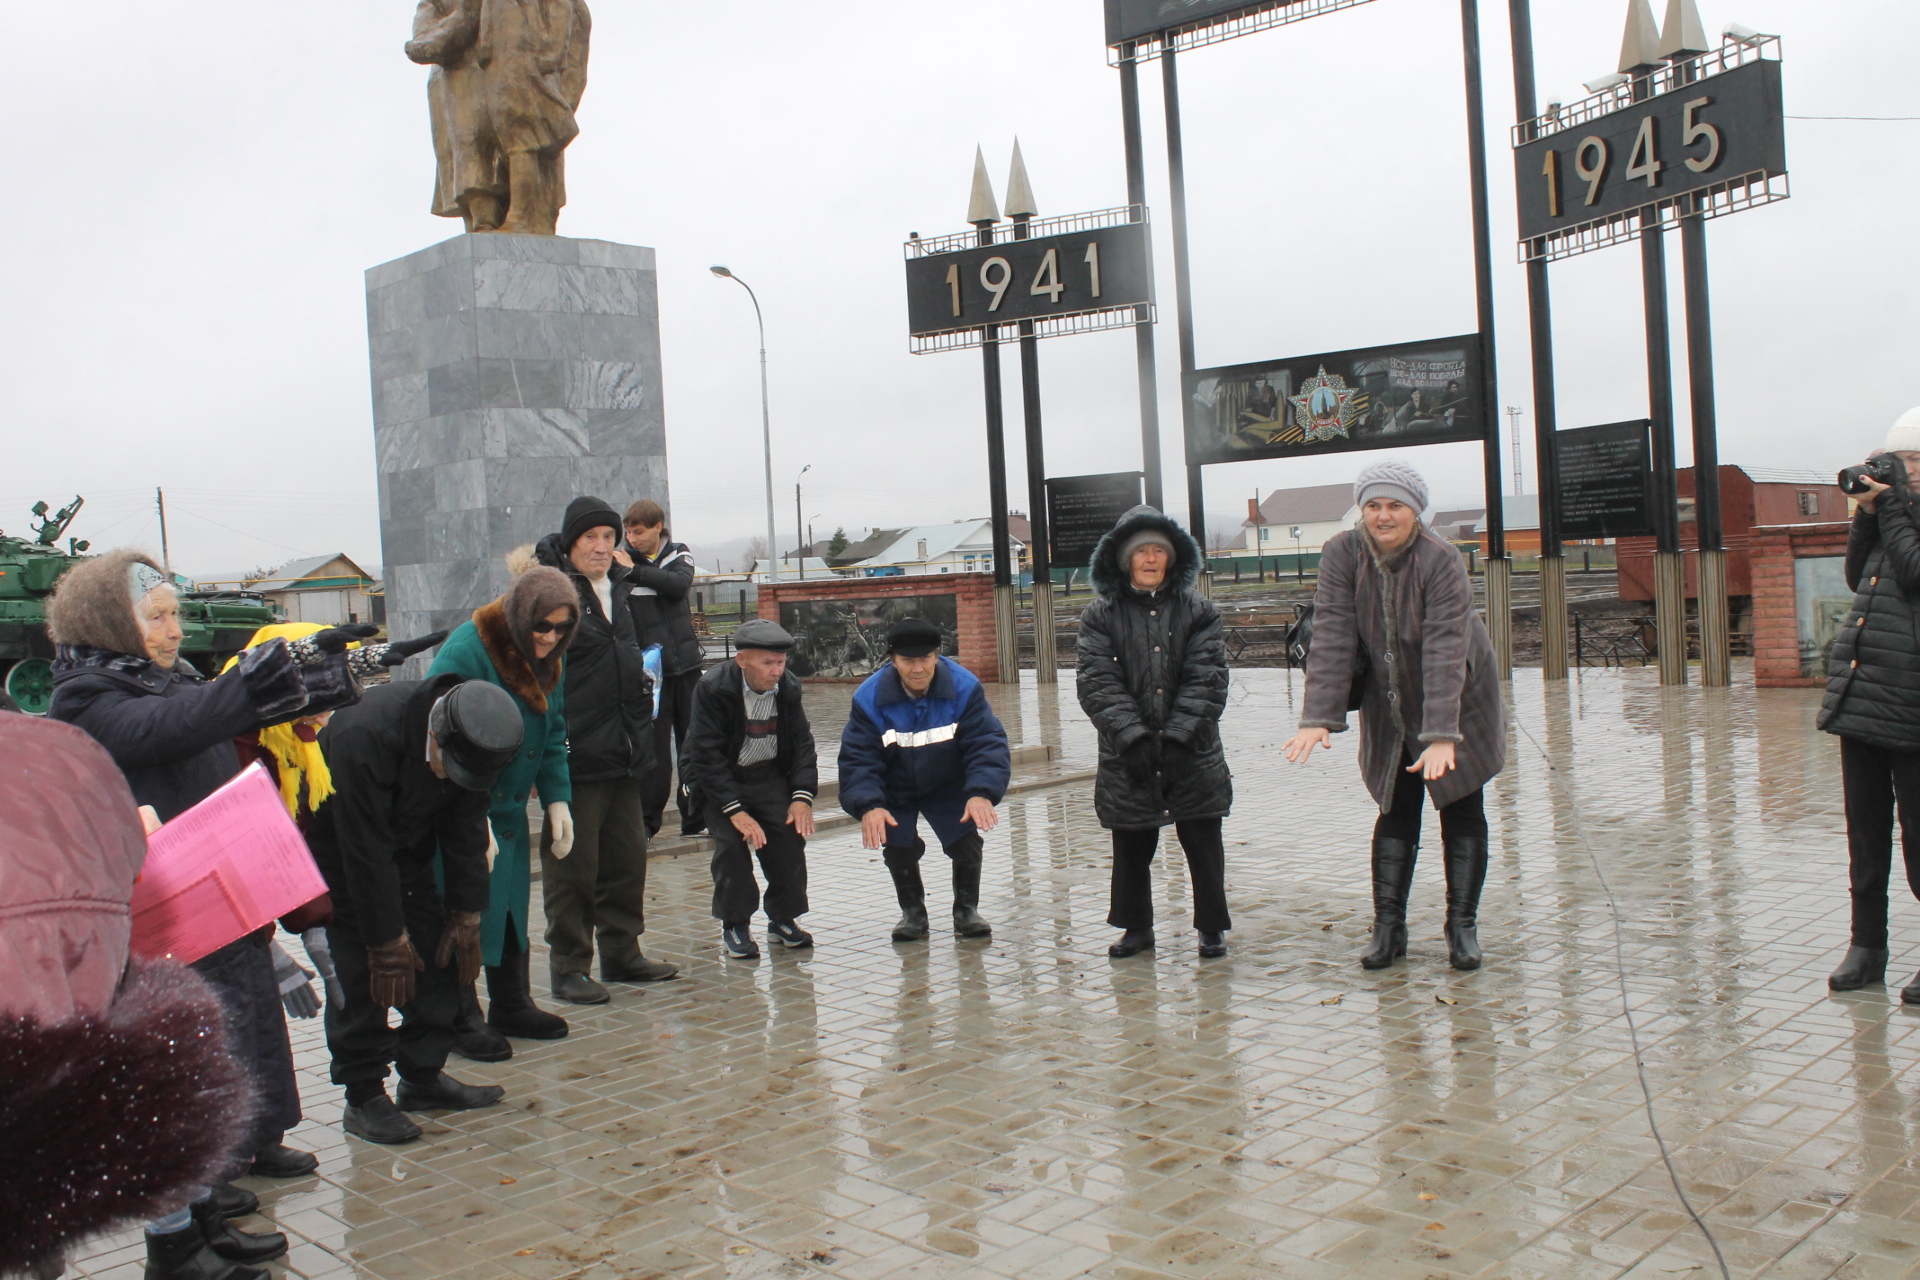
[1683, 34]
[1640, 46]
[1020, 201]
[981, 207]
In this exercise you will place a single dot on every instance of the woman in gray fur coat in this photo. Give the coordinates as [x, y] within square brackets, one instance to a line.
[1396, 600]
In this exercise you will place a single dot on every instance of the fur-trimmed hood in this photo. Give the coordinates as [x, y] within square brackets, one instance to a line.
[91, 605]
[505, 627]
[1111, 578]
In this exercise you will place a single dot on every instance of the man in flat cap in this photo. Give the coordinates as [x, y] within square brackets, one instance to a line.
[749, 766]
[922, 739]
[413, 765]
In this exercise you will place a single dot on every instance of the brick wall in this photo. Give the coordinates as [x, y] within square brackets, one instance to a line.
[1776, 623]
[973, 606]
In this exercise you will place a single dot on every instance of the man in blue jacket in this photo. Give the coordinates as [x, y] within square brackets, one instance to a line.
[921, 739]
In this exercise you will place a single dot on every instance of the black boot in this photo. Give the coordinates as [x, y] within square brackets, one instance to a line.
[510, 1007]
[1863, 967]
[1466, 862]
[1131, 943]
[473, 1039]
[912, 893]
[230, 1242]
[1392, 877]
[185, 1255]
[967, 921]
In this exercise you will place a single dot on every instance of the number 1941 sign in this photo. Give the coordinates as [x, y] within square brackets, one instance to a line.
[1582, 185]
[956, 288]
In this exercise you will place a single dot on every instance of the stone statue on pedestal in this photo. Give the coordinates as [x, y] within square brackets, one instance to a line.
[507, 78]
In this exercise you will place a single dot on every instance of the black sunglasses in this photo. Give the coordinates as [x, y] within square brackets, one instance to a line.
[543, 627]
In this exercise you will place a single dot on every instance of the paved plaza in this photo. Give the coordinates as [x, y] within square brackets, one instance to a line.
[1027, 1107]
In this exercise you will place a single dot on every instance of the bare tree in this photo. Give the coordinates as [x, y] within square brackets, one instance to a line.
[756, 552]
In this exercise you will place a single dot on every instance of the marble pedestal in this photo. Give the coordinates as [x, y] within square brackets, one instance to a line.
[510, 375]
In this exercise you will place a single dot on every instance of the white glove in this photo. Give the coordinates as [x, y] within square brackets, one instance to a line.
[560, 823]
[493, 846]
[296, 984]
[320, 951]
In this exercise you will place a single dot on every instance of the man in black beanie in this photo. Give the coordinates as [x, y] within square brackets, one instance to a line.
[595, 891]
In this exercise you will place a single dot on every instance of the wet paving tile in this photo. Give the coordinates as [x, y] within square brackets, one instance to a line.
[1027, 1107]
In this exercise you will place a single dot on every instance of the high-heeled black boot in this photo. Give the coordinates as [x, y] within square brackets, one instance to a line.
[1466, 862]
[1392, 879]
[1863, 967]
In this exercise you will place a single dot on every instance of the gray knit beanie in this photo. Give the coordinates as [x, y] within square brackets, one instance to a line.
[1391, 478]
[1145, 538]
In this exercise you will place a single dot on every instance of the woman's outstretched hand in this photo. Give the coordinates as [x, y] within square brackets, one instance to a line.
[1305, 741]
[1437, 759]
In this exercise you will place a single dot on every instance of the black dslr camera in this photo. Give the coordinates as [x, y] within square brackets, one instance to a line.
[1881, 468]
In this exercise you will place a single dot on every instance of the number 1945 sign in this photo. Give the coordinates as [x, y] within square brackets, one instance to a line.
[1072, 273]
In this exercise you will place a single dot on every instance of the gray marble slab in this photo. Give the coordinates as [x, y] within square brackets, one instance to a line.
[510, 374]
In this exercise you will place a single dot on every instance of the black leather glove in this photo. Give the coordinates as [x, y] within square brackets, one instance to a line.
[395, 652]
[1142, 759]
[336, 639]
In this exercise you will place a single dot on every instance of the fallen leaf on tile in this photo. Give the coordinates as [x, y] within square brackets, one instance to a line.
[1326, 928]
[1436, 1226]
[1331, 1000]
[523, 1253]
[1428, 1195]
[507, 1182]
[1446, 1000]
[740, 1248]
[821, 1255]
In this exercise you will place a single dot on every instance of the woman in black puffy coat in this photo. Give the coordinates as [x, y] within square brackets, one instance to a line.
[1873, 705]
[1153, 679]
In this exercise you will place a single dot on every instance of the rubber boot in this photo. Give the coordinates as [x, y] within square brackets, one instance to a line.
[912, 893]
[473, 1039]
[1392, 878]
[510, 1007]
[966, 855]
[1466, 862]
[186, 1255]
[1863, 967]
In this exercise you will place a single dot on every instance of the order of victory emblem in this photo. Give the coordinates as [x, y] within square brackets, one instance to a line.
[1325, 407]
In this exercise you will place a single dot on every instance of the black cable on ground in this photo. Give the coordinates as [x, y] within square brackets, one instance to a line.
[1626, 1001]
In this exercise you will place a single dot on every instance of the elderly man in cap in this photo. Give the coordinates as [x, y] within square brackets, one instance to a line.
[749, 764]
[412, 766]
[921, 739]
[595, 891]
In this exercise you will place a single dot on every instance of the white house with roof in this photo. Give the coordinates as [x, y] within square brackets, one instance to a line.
[1289, 520]
[964, 546]
[329, 589]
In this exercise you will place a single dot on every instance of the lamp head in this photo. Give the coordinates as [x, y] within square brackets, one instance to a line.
[721, 271]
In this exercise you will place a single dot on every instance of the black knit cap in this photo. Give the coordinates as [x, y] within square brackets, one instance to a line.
[913, 638]
[479, 731]
[585, 513]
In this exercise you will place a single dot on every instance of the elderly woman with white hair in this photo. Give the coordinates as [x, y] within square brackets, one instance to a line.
[1397, 638]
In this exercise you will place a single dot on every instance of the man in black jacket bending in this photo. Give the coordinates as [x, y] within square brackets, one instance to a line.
[750, 767]
[659, 579]
[413, 766]
[596, 891]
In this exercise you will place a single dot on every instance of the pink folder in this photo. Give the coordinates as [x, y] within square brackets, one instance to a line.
[222, 869]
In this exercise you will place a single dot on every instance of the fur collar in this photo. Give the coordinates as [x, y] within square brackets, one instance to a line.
[516, 672]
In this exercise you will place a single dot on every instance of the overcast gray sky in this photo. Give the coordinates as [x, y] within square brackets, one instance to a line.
[198, 189]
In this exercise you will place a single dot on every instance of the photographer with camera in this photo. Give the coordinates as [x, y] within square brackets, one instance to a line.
[1873, 695]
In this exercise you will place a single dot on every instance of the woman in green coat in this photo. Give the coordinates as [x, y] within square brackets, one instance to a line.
[516, 642]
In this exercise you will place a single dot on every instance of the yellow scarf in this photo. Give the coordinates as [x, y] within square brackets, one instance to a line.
[297, 757]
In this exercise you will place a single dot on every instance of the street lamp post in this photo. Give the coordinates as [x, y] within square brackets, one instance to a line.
[799, 526]
[766, 421]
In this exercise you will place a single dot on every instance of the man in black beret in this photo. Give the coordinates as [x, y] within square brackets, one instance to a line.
[749, 764]
[412, 765]
[921, 739]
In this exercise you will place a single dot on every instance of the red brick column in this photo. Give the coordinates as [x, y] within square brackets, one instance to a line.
[1776, 620]
[973, 606]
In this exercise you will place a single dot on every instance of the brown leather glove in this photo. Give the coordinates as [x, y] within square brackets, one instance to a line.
[390, 970]
[460, 939]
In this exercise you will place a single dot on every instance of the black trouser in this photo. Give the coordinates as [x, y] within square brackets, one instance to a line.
[783, 858]
[1464, 818]
[669, 738]
[360, 1037]
[1875, 782]
[241, 973]
[600, 887]
[1131, 903]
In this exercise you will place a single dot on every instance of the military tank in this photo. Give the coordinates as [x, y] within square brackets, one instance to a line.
[217, 624]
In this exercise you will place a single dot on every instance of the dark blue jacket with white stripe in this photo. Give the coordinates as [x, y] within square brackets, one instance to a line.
[899, 751]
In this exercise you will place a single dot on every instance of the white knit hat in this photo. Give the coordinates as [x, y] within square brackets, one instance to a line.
[1905, 432]
[1391, 478]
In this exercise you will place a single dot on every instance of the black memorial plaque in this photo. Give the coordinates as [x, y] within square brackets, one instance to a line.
[1131, 19]
[1081, 509]
[1369, 398]
[1606, 475]
[1101, 269]
[1690, 138]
